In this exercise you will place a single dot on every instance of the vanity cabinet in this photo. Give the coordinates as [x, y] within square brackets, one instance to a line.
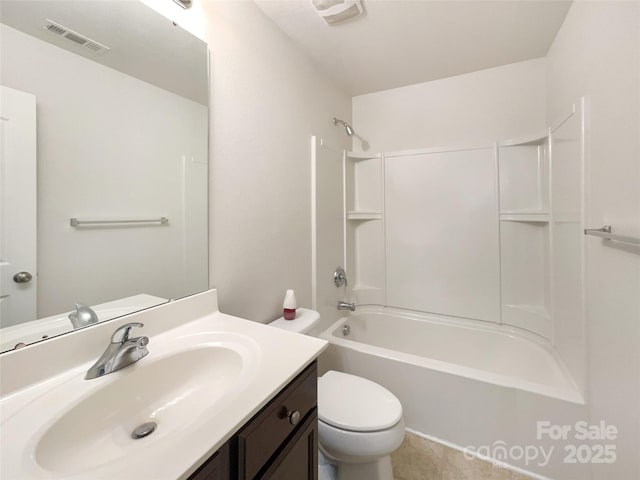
[280, 442]
[217, 467]
[299, 459]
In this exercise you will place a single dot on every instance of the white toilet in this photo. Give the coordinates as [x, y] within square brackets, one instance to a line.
[359, 422]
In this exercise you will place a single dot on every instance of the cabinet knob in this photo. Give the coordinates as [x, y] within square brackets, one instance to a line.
[294, 417]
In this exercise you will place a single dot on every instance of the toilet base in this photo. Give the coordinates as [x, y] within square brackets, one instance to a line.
[327, 470]
[377, 470]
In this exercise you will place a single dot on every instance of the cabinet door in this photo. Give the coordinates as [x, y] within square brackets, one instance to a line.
[216, 468]
[299, 458]
[268, 433]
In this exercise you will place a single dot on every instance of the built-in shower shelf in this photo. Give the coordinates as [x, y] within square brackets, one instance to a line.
[539, 217]
[362, 156]
[535, 139]
[360, 216]
[529, 211]
[365, 288]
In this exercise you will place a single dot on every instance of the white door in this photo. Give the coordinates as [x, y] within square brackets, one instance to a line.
[18, 207]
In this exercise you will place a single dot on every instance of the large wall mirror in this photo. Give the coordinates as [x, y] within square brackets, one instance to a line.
[104, 164]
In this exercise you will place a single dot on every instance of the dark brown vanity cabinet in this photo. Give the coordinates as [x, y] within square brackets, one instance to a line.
[280, 442]
[217, 467]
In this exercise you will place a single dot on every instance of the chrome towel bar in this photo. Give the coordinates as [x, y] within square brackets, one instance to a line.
[605, 232]
[74, 222]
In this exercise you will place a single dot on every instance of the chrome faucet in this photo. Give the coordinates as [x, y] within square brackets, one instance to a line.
[83, 316]
[122, 351]
[347, 306]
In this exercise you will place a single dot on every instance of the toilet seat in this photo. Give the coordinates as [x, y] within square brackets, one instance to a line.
[355, 404]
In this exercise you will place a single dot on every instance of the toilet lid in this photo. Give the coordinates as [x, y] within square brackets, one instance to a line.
[354, 403]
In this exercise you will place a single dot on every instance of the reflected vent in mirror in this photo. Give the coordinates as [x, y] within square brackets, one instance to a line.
[75, 37]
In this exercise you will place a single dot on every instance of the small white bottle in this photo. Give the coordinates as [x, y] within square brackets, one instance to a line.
[289, 305]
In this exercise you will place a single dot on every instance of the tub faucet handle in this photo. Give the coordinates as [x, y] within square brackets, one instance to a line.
[340, 277]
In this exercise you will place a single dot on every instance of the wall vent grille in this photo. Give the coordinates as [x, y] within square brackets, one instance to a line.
[75, 37]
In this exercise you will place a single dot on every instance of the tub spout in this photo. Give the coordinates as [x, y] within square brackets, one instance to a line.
[347, 306]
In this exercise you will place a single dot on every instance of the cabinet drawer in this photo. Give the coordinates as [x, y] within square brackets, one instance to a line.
[266, 432]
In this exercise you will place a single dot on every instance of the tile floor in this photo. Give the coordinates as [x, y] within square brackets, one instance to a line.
[421, 459]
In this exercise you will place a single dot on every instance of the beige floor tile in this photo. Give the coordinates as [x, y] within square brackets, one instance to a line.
[421, 459]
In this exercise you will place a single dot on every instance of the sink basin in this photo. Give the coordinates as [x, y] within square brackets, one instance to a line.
[172, 392]
[84, 426]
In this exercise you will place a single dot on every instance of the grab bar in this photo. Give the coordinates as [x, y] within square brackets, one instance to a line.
[74, 222]
[605, 232]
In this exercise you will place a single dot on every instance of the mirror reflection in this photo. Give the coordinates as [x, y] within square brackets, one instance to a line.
[104, 164]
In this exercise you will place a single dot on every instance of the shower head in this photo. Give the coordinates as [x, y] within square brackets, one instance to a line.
[347, 127]
[349, 130]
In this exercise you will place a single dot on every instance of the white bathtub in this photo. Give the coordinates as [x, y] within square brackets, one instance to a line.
[481, 351]
[462, 382]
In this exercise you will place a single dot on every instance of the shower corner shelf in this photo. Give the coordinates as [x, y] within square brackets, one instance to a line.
[536, 139]
[361, 287]
[524, 216]
[358, 215]
[362, 156]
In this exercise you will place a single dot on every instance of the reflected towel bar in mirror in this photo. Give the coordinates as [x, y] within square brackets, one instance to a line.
[605, 232]
[74, 222]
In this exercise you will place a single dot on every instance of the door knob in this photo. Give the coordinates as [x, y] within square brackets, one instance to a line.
[22, 277]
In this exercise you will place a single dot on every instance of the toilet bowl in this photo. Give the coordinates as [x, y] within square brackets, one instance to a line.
[359, 422]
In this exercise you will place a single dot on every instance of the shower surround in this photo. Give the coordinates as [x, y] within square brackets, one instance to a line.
[466, 264]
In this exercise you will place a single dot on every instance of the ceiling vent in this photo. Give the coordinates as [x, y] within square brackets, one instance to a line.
[337, 11]
[75, 37]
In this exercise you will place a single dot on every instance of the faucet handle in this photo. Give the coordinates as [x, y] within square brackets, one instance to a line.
[340, 277]
[121, 334]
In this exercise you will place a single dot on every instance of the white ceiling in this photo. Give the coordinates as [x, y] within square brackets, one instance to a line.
[143, 43]
[400, 42]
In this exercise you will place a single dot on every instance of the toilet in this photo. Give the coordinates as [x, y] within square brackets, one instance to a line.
[360, 423]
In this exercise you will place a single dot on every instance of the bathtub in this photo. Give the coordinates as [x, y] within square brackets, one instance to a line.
[463, 383]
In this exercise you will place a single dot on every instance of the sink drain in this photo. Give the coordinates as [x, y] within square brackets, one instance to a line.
[144, 430]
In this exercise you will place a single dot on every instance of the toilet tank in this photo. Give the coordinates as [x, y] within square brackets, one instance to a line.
[305, 320]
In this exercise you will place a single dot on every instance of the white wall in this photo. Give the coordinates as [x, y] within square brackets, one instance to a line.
[268, 99]
[597, 54]
[99, 157]
[474, 108]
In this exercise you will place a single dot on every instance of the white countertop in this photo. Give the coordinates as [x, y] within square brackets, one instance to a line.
[28, 410]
